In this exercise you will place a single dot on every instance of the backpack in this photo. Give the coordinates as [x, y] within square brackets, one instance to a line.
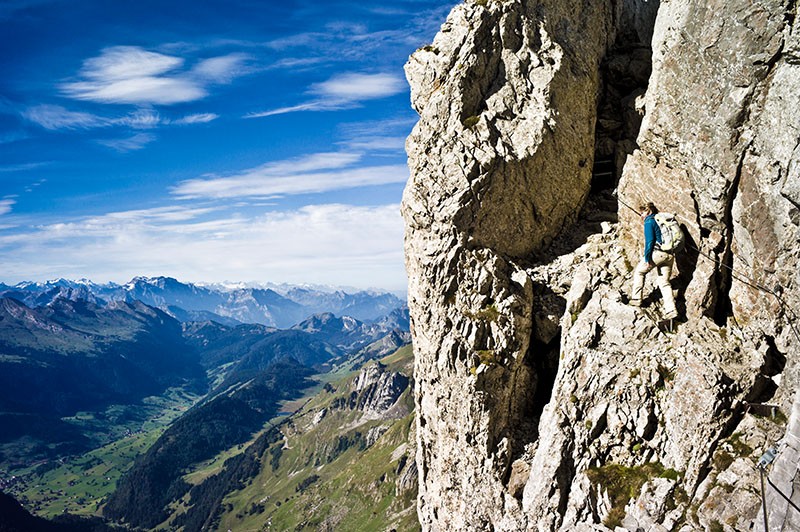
[671, 232]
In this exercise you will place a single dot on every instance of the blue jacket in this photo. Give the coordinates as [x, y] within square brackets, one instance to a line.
[652, 235]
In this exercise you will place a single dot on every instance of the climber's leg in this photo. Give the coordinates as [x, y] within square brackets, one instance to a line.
[664, 263]
[638, 283]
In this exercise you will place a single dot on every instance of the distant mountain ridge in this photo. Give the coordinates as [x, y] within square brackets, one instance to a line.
[119, 352]
[282, 306]
[73, 356]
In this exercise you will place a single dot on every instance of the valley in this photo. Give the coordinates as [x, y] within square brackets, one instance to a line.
[183, 444]
[79, 484]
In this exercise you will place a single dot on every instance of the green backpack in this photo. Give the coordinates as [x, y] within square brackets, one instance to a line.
[671, 232]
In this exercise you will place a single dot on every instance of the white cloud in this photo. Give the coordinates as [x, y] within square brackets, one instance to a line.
[23, 167]
[56, 117]
[312, 174]
[310, 106]
[140, 90]
[6, 205]
[262, 186]
[387, 136]
[296, 62]
[128, 62]
[158, 214]
[343, 91]
[296, 40]
[132, 75]
[309, 163]
[221, 69]
[388, 11]
[141, 119]
[327, 244]
[12, 136]
[387, 127]
[136, 142]
[37, 184]
[355, 42]
[129, 74]
[199, 118]
[356, 87]
[389, 144]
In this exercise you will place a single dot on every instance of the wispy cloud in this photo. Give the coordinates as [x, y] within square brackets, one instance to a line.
[357, 87]
[133, 75]
[222, 69]
[296, 62]
[37, 184]
[199, 118]
[128, 62]
[308, 106]
[158, 214]
[387, 126]
[348, 41]
[387, 136]
[321, 172]
[141, 119]
[344, 91]
[56, 117]
[376, 144]
[140, 90]
[387, 11]
[129, 74]
[23, 167]
[6, 205]
[297, 40]
[124, 145]
[329, 243]
[12, 136]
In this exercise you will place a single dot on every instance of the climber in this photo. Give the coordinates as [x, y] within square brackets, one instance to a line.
[654, 258]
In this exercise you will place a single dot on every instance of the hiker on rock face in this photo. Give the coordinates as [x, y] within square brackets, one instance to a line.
[654, 259]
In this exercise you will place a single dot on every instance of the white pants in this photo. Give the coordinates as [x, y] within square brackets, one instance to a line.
[663, 262]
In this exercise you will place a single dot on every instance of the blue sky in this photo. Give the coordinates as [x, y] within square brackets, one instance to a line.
[235, 140]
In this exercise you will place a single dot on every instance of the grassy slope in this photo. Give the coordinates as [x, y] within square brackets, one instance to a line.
[318, 476]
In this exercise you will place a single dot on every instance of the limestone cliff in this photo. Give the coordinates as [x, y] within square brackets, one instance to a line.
[539, 390]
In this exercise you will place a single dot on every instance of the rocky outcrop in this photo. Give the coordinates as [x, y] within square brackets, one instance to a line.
[538, 387]
[376, 392]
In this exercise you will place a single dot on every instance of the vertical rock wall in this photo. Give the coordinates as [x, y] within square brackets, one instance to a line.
[500, 160]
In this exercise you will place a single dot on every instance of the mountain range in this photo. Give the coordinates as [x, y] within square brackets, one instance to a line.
[277, 306]
[73, 356]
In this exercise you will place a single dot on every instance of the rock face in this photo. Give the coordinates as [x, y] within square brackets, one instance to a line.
[375, 392]
[506, 96]
[538, 388]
